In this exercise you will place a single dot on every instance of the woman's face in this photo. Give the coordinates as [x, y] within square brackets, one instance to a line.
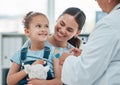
[66, 27]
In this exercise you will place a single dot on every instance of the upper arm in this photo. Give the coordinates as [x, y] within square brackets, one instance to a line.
[57, 68]
[14, 68]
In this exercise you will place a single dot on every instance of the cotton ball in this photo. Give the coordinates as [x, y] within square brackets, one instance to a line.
[38, 71]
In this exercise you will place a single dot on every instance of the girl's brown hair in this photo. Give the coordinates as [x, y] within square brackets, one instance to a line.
[28, 18]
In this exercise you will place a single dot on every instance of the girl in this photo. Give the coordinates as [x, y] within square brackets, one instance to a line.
[37, 29]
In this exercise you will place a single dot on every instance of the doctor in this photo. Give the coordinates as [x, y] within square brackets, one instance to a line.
[99, 63]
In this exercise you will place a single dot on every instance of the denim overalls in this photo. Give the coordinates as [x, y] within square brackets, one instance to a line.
[23, 57]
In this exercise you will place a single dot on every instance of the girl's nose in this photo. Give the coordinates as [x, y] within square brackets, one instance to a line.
[43, 28]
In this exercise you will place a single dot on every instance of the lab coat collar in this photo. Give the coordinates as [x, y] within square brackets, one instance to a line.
[116, 7]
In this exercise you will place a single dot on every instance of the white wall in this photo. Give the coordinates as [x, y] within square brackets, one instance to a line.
[88, 6]
[52, 8]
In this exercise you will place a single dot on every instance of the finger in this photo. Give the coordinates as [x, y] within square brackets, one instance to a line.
[29, 79]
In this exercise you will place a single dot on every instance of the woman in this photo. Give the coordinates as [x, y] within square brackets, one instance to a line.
[99, 62]
[67, 29]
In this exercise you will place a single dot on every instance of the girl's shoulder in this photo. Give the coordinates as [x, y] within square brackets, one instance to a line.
[16, 56]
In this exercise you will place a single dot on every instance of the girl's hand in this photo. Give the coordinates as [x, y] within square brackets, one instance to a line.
[39, 62]
[34, 82]
[75, 51]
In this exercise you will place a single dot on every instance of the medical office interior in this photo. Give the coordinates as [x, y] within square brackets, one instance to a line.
[12, 32]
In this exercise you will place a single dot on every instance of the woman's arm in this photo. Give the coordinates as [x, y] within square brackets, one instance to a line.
[14, 75]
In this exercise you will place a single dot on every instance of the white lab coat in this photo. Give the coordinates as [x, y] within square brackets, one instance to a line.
[99, 63]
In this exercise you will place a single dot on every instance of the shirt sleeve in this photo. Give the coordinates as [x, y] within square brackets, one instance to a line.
[16, 57]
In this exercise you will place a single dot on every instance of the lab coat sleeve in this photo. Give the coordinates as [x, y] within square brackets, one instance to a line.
[94, 60]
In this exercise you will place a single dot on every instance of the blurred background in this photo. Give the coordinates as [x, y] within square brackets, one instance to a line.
[12, 12]
[11, 29]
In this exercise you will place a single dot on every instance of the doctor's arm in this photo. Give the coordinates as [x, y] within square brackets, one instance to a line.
[93, 61]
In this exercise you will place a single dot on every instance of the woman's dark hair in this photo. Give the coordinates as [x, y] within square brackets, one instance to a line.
[80, 19]
[28, 18]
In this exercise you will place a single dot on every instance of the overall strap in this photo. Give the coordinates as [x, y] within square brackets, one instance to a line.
[46, 52]
[23, 54]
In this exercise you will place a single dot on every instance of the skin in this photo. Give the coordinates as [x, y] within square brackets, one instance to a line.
[107, 5]
[65, 28]
[74, 51]
[62, 35]
[38, 32]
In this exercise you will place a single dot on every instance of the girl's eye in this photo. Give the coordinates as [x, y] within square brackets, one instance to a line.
[47, 26]
[39, 26]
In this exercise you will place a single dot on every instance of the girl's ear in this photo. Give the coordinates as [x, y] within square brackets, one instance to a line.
[26, 32]
[76, 35]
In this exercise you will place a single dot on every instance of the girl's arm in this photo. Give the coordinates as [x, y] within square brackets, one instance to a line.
[57, 68]
[14, 75]
[55, 81]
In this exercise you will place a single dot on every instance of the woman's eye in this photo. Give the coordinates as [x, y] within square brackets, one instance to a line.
[70, 29]
[62, 23]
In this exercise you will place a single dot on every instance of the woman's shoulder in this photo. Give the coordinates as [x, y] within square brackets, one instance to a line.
[48, 44]
[70, 46]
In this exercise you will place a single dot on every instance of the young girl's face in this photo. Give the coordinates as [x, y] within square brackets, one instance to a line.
[66, 28]
[38, 28]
